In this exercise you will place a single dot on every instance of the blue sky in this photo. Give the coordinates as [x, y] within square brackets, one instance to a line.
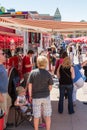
[71, 10]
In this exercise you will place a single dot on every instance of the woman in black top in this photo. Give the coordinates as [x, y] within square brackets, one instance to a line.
[65, 75]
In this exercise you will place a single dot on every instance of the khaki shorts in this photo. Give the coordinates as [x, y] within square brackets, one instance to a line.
[42, 106]
[6, 104]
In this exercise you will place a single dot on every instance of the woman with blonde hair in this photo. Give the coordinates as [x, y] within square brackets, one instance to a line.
[66, 74]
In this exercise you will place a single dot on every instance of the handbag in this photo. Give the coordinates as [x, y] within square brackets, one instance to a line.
[80, 82]
[80, 78]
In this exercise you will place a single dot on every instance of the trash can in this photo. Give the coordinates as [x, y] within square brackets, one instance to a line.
[1, 120]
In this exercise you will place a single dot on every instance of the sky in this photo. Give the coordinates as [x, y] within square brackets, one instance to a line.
[70, 10]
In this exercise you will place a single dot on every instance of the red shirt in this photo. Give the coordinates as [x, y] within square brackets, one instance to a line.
[13, 62]
[26, 61]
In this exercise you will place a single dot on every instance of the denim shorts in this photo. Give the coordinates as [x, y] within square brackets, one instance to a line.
[42, 106]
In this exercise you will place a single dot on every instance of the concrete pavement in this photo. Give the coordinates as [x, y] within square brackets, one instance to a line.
[77, 121]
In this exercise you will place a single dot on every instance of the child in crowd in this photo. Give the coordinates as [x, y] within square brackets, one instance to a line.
[23, 103]
[21, 100]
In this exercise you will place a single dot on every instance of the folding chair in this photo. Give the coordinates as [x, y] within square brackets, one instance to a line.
[21, 116]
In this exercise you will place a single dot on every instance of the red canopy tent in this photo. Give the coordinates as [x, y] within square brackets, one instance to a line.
[78, 39]
[1, 42]
[7, 39]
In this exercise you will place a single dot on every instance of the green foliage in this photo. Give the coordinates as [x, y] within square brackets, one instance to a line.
[70, 35]
[82, 21]
[2, 9]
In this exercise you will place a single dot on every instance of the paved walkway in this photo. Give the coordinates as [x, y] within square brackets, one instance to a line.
[77, 121]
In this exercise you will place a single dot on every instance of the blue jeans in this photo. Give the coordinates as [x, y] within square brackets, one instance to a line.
[69, 89]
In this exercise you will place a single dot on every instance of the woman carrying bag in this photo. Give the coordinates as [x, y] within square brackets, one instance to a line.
[65, 74]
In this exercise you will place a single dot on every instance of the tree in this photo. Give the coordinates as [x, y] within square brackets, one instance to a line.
[82, 21]
[2, 9]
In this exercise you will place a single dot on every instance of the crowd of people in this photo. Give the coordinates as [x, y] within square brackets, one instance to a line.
[38, 73]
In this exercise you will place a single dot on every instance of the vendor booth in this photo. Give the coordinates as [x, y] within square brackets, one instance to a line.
[12, 45]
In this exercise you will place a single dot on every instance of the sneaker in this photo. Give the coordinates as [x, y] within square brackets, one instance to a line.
[43, 125]
[28, 113]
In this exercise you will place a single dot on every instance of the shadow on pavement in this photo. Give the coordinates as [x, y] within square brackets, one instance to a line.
[64, 121]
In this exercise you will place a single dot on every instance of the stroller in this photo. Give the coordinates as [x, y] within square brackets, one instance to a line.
[20, 116]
